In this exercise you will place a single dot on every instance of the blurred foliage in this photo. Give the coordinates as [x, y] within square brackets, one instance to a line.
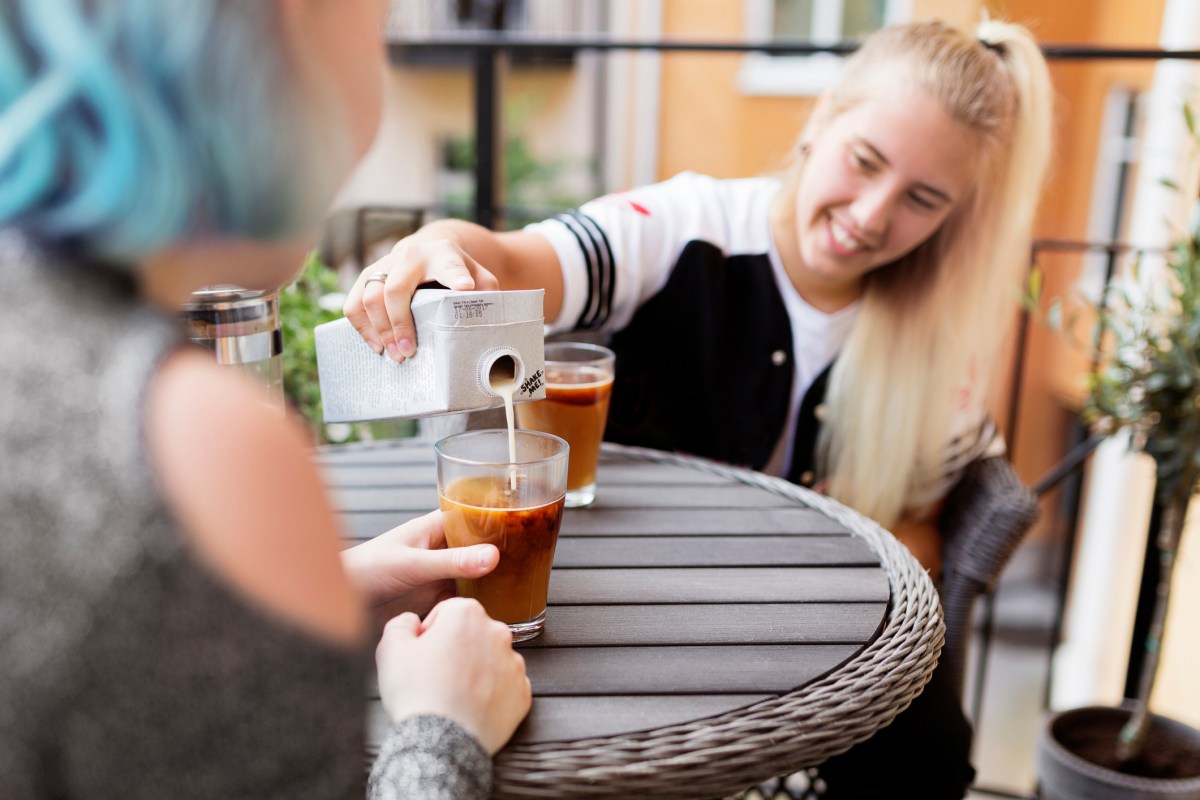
[312, 299]
[1149, 380]
[1144, 338]
[458, 153]
[299, 312]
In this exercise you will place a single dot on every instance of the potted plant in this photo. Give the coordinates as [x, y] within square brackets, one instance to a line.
[1146, 385]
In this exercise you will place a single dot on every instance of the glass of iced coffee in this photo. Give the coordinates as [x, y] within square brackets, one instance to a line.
[579, 380]
[514, 502]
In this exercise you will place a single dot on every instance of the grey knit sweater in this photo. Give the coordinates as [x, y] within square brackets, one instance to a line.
[128, 670]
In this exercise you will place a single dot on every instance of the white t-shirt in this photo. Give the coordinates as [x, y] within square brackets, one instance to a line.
[817, 338]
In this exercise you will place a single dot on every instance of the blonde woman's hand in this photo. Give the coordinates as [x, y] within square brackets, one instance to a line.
[458, 664]
[379, 303]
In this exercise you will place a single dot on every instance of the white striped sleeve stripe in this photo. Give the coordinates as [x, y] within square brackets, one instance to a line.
[598, 266]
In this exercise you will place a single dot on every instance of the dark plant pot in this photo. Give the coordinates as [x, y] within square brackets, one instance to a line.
[1077, 758]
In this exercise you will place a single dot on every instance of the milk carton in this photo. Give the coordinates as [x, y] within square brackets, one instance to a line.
[465, 341]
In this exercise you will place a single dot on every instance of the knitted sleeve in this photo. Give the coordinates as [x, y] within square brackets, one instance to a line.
[431, 758]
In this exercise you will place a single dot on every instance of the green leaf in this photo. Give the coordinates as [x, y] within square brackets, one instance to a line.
[1189, 119]
[1035, 285]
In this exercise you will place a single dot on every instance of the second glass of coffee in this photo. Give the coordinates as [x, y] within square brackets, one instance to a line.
[579, 380]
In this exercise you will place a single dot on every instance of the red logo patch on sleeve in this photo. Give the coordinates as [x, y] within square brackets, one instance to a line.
[622, 198]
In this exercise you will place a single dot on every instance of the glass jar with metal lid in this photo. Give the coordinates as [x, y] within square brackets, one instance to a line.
[241, 327]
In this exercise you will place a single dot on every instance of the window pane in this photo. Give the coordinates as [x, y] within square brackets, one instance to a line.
[860, 17]
[793, 19]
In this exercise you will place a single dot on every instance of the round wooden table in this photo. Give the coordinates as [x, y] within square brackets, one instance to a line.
[709, 627]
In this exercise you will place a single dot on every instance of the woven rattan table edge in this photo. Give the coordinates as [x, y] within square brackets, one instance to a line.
[727, 752]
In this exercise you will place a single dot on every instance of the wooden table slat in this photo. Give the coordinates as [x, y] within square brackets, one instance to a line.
[379, 476]
[598, 671]
[396, 499]
[718, 585]
[383, 475]
[603, 521]
[404, 451]
[685, 498]
[586, 671]
[711, 551]
[719, 623]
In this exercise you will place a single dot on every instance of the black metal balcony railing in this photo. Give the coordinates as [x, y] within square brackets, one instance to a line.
[547, 18]
[440, 25]
[422, 37]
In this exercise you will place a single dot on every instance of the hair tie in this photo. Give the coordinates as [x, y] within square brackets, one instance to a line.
[995, 47]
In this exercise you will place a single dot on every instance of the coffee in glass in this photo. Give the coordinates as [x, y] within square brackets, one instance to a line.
[515, 504]
[579, 380]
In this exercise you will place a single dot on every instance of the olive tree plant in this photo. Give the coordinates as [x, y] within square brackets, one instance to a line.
[1147, 384]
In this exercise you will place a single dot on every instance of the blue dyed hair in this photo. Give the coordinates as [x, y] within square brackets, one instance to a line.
[126, 125]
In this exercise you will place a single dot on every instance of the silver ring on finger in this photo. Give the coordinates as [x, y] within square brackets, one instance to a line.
[376, 276]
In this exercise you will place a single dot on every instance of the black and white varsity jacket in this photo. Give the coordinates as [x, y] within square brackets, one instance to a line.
[684, 277]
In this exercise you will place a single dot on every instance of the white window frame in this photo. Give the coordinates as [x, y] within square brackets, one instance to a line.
[800, 76]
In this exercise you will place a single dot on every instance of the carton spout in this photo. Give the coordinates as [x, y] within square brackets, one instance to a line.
[501, 373]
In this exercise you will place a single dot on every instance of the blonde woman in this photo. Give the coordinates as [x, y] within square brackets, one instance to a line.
[836, 324]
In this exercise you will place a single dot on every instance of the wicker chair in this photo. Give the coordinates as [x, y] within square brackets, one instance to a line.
[984, 519]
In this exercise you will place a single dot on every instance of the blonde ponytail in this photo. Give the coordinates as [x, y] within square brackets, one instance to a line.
[933, 322]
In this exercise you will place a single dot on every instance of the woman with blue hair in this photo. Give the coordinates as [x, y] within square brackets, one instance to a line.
[174, 617]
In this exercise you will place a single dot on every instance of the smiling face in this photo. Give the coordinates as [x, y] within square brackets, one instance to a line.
[879, 179]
